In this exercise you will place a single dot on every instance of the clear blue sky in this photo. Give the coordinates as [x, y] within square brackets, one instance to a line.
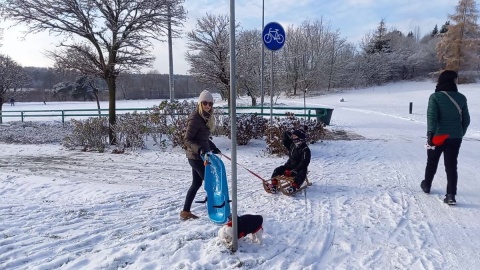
[353, 18]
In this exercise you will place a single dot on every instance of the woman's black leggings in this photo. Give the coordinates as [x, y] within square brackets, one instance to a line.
[198, 172]
[450, 150]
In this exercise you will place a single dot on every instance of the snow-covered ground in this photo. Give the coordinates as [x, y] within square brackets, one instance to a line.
[73, 210]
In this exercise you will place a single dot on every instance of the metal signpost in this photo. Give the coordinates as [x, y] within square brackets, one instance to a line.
[263, 60]
[233, 115]
[304, 102]
[274, 39]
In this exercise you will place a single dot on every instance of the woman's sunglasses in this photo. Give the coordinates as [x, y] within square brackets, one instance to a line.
[205, 103]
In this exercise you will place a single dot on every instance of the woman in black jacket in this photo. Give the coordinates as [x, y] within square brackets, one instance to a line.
[200, 124]
[448, 116]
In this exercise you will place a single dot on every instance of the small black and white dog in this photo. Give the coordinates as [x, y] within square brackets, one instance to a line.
[247, 225]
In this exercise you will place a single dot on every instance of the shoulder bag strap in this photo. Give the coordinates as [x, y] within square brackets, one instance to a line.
[454, 102]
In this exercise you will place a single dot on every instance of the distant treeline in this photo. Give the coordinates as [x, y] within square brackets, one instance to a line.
[42, 82]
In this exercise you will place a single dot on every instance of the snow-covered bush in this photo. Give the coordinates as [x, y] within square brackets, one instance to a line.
[221, 122]
[165, 121]
[130, 130]
[90, 134]
[249, 126]
[34, 132]
[133, 129]
[273, 139]
[170, 119]
[314, 130]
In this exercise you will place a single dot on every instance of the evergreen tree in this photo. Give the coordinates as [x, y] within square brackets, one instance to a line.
[444, 28]
[410, 34]
[380, 43]
[435, 31]
[458, 47]
[82, 89]
[62, 90]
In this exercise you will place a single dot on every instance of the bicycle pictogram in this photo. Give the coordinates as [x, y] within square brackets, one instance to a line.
[273, 35]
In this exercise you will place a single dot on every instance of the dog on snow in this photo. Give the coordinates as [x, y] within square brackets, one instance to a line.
[248, 225]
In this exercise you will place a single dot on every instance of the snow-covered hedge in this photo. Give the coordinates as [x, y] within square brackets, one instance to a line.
[165, 125]
[34, 132]
[249, 126]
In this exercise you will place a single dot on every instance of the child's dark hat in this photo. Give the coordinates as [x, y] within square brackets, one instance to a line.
[299, 133]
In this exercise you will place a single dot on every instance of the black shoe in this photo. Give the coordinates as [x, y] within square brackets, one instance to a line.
[424, 187]
[450, 199]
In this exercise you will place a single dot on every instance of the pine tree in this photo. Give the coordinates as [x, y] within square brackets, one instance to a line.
[380, 43]
[459, 45]
[435, 31]
[444, 28]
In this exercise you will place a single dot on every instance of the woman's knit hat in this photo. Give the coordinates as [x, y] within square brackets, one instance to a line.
[205, 96]
[447, 76]
[446, 81]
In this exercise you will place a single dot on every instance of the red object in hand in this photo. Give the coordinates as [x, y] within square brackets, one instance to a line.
[438, 140]
[288, 173]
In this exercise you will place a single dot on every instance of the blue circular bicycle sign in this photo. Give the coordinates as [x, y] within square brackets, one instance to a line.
[273, 36]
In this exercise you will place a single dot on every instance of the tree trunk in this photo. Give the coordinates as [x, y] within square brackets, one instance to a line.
[111, 109]
[95, 92]
[254, 100]
[1, 108]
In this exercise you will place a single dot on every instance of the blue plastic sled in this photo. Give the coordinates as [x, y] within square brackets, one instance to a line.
[216, 187]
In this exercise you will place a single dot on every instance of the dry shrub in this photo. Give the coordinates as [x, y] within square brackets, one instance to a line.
[249, 126]
[169, 119]
[274, 142]
[221, 125]
[130, 130]
[90, 134]
[315, 131]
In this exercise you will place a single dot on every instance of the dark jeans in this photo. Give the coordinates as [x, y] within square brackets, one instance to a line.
[299, 178]
[198, 173]
[450, 150]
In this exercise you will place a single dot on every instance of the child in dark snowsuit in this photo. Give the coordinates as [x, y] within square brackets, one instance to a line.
[298, 160]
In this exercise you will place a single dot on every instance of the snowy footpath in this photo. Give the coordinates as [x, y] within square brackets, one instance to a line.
[64, 209]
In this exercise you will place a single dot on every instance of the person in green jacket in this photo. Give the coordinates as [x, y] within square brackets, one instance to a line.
[447, 116]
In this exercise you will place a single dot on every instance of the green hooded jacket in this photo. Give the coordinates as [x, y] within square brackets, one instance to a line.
[443, 116]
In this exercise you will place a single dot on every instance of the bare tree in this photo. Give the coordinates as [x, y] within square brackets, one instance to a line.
[338, 45]
[248, 64]
[1, 37]
[102, 37]
[152, 84]
[293, 60]
[208, 53]
[12, 77]
[125, 84]
[459, 45]
[307, 56]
